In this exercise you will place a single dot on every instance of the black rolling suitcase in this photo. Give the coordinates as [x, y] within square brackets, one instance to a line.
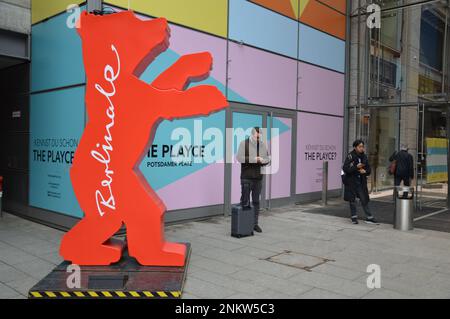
[242, 222]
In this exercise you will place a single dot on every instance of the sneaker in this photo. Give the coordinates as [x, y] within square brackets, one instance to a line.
[257, 229]
[371, 221]
[355, 220]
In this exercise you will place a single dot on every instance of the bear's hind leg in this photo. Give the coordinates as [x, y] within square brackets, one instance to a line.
[85, 244]
[145, 230]
[146, 243]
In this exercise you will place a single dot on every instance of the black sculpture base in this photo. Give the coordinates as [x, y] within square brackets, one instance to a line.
[125, 279]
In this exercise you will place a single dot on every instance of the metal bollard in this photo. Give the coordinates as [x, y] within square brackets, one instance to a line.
[325, 184]
[404, 208]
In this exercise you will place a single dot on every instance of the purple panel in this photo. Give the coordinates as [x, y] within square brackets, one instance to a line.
[263, 78]
[280, 178]
[202, 188]
[321, 90]
[318, 135]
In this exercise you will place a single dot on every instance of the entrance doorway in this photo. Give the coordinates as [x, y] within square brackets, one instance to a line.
[432, 164]
[279, 132]
[424, 129]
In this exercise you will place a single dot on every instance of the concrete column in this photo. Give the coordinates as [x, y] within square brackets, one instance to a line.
[15, 16]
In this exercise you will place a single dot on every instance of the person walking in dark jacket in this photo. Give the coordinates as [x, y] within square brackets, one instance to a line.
[252, 155]
[356, 169]
[404, 167]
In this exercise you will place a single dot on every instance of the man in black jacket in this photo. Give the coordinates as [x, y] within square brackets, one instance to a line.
[404, 169]
[252, 155]
[356, 168]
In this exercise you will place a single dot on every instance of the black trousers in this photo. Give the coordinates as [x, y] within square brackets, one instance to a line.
[251, 187]
[406, 182]
[360, 193]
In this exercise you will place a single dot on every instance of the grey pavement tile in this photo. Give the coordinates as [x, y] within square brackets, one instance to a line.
[274, 269]
[227, 256]
[52, 257]
[37, 268]
[9, 273]
[404, 287]
[313, 247]
[23, 285]
[344, 273]
[193, 269]
[227, 282]
[204, 289]
[189, 296]
[7, 292]
[255, 252]
[266, 294]
[219, 243]
[214, 266]
[13, 256]
[317, 293]
[41, 248]
[386, 294]
[17, 239]
[271, 282]
[331, 283]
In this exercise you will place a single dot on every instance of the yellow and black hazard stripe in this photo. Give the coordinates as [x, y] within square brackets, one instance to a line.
[105, 294]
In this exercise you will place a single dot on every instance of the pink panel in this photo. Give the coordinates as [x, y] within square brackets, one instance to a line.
[185, 41]
[321, 90]
[202, 188]
[236, 181]
[280, 179]
[263, 78]
[318, 135]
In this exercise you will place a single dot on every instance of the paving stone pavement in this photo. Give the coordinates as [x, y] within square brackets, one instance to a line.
[413, 264]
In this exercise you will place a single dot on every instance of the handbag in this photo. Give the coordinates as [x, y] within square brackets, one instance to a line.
[392, 167]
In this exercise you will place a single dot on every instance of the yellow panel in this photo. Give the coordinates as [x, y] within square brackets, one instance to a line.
[205, 15]
[294, 4]
[42, 9]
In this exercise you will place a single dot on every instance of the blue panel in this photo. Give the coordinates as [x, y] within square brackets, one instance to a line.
[262, 28]
[244, 121]
[321, 49]
[56, 56]
[156, 169]
[56, 125]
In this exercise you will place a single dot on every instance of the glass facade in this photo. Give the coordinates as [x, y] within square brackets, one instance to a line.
[399, 86]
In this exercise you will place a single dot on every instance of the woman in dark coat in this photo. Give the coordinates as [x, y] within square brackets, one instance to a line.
[356, 168]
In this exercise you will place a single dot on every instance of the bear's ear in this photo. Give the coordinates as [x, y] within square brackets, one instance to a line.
[83, 22]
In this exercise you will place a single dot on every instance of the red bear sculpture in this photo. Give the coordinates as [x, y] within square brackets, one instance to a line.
[123, 114]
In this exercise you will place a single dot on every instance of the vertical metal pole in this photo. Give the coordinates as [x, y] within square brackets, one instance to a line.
[94, 5]
[228, 130]
[358, 74]
[448, 151]
[417, 157]
[269, 129]
[228, 161]
[444, 55]
[346, 133]
[325, 184]
[422, 154]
